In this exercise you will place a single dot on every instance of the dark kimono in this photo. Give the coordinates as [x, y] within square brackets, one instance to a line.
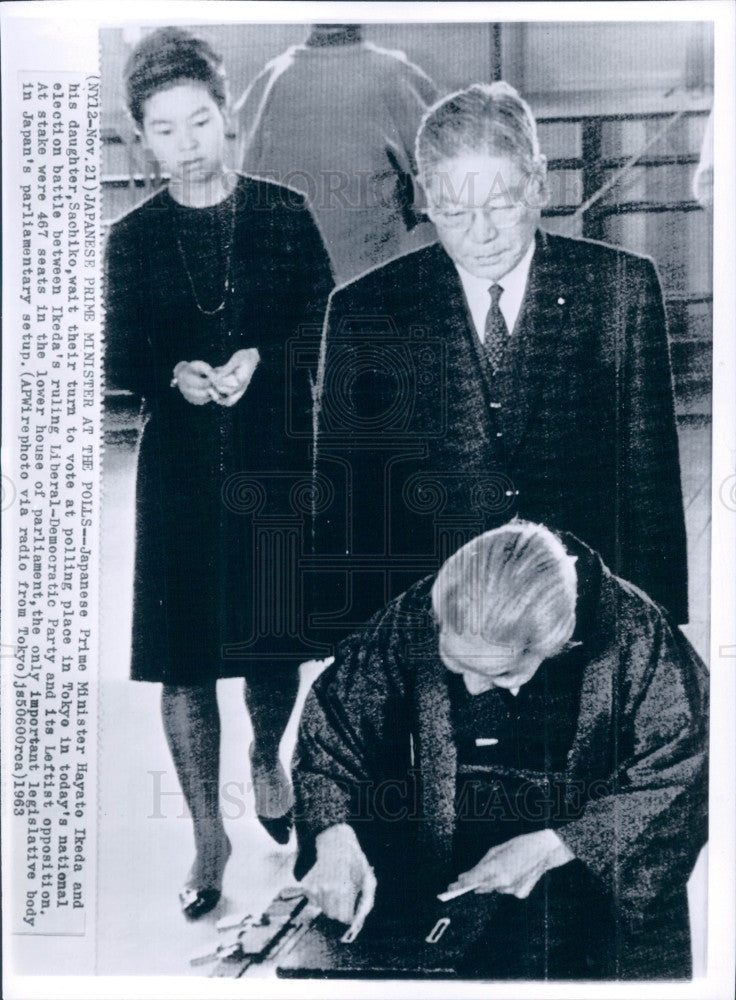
[222, 492]
[380, 747]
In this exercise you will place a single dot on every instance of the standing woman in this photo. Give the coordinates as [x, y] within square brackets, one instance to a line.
[206, 283]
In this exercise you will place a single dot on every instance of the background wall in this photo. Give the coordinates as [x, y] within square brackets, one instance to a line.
[555, 58]
[548, 62]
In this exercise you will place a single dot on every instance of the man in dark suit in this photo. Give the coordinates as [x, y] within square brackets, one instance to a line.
[504, 371]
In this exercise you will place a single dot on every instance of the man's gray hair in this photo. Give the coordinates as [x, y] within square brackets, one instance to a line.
[490, 118]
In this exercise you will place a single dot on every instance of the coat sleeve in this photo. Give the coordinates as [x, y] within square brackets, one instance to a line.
[353, 733]
[644, 825]
[125, 341]
[651, 525]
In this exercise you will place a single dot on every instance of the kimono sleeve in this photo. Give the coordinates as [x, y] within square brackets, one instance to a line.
[652, 520]
[642, 828]
[353, 735]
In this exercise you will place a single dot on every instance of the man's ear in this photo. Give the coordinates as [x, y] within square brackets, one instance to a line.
[537, 193]
[421, 202]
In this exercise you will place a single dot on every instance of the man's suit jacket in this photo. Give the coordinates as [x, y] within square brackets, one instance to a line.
[419, 448]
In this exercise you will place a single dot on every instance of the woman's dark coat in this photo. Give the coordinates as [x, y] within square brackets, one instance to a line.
[222, 493]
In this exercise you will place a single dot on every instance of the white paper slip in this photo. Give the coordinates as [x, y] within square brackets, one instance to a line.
[445, 897]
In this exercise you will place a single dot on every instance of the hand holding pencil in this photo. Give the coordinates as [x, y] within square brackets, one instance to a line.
[513, 867]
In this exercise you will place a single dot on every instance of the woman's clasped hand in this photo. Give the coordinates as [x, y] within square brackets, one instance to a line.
[200, 383]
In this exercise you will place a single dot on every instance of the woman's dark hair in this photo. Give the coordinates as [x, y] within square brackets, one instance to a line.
[165, 58]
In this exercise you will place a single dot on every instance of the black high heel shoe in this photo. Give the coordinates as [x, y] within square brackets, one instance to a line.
[196, 902]
[271, 787]
[278, 828]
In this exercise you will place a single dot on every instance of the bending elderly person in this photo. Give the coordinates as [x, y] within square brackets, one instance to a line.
[524, 724]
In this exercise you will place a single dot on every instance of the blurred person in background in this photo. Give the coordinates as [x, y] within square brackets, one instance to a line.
[336, 118]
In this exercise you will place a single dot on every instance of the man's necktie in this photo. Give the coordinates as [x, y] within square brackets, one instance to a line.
[496, 331]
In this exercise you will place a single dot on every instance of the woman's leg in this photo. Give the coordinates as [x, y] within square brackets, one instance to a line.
[270, 695]
[192, 725]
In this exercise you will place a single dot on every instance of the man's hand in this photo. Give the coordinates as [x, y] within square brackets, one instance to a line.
[341, 882]
[193, 380]
[230, 380]
[516, 866]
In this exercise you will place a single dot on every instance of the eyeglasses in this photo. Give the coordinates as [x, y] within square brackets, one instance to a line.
[502, 216]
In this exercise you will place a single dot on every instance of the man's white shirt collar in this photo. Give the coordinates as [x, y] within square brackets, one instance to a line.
[513, 284]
